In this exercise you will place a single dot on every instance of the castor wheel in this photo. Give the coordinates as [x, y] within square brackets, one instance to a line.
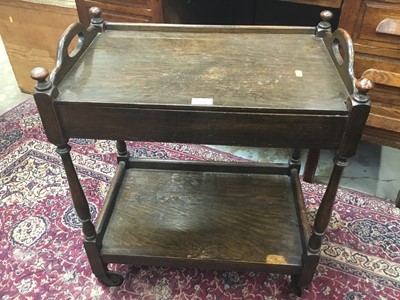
[111, 278]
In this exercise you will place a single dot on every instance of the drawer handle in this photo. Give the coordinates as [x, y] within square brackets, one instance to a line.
[382, 77]
[389, 26]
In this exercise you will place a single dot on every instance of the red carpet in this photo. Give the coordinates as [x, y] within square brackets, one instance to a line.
[41, 250]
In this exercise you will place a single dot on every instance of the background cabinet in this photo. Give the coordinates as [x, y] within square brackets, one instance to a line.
[375, 29]
[30, 32]
[123, 10]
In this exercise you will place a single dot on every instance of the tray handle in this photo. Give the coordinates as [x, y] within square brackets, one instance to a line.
[65, 58]
[340, 48]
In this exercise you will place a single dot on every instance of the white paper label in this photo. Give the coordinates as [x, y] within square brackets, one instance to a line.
[202, 101]
[298, 73]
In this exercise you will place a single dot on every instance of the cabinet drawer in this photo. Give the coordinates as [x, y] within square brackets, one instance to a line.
[364, 62]
[380, 23]
[122, 10]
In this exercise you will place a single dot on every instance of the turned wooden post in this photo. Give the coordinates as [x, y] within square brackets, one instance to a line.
[326, 207]
[359, 106]
[96, 19]
[44, 97]
[45, 94]
[294, 162]
[78, 197]
[123, 154]
[121, 147]
[322, 29]
[311, 165]
[324, 26]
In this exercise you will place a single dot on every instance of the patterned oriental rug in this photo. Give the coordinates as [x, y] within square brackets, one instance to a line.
[41, 250]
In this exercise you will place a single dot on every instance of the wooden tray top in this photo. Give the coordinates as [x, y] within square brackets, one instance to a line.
[237, 67]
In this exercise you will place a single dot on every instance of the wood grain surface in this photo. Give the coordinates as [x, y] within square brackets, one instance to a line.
[231, 218]
[235, 70]
[30, 32]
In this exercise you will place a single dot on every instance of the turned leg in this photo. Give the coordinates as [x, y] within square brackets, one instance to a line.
[311, 165]
[295, 160]
[312, 252]
[326, 207]
[78, 197]
[309, 260]
[303, 280]
[123, 154]
[359, 107]
[89, 232]
[99, 268]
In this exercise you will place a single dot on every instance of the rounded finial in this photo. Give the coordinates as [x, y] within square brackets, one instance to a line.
[39, 74]
[364, 85]
[324, 27]
[95, 12]
[326, 15]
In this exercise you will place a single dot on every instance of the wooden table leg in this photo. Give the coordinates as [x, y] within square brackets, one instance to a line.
[311, 165]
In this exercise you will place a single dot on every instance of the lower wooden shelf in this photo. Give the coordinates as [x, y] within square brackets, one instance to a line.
[218, 216]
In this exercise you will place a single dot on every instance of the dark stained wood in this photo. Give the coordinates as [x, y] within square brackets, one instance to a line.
[252, 128]
[270, 86]
[171, 67]
[325, 209]
[295, 162]
[78, 197]
[340, 47]
[301, 209]
[309, 260]
[109, 202]
[208, 166]
[231, 218]
[44, 96]
[66, 60]
[121, 147]
[311, 165]
[359, 108]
